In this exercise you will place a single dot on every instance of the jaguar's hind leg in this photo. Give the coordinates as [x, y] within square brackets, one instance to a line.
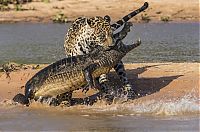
[127, 88]
[106, 90]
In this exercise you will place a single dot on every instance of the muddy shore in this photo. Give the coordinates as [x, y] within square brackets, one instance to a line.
[154, 80]
[158, 11]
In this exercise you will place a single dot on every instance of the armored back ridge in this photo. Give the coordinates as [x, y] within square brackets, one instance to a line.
[87, 33]
[72, 73]
[79, 69]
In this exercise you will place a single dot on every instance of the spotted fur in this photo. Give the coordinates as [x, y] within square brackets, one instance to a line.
[86, 33]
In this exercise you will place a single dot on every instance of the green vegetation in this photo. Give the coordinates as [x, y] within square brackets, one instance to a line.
[17, 4]
[18, 7]
[165, 18]
[6, 2]
[13, 66]
[4, 5]
[4, 8]
[59, 18]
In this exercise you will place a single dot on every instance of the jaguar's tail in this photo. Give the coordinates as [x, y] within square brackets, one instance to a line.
[129, 16]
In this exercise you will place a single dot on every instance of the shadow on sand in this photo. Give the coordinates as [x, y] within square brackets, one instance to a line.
[143, 86]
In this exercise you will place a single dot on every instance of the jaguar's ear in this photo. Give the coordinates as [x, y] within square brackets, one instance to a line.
[107, 18]
[89, 22]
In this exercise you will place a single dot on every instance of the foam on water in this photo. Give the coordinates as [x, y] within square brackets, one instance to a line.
[186, 105]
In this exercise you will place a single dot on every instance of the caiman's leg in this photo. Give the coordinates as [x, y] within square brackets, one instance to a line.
[88, 76]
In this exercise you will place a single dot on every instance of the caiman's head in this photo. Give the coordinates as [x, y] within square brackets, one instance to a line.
[29, 94]
[121, 47]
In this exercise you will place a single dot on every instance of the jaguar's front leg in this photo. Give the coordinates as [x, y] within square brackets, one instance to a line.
[127, 87]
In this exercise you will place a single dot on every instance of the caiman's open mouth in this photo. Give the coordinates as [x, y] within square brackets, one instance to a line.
[124, 48]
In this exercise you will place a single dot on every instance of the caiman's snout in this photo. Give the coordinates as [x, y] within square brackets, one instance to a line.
[128, 48]
[24, 99]
[20, 98]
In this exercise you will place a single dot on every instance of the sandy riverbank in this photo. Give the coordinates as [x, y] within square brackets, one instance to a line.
[156, 80]
[37, 11]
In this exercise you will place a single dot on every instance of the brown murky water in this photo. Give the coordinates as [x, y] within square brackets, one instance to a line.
[153, 115]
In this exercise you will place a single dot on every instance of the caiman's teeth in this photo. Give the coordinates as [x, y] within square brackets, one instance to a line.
[139, 40]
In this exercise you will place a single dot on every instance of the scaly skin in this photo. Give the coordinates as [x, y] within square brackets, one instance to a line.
[71, 73]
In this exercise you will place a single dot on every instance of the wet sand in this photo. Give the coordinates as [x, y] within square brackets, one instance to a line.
[156, 80]
[37, 11]
[170, 102]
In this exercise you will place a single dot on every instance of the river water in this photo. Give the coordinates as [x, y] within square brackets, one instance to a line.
[146, 116]
[43, 43]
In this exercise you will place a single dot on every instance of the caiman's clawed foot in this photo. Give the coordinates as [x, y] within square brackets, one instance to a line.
[85, 89]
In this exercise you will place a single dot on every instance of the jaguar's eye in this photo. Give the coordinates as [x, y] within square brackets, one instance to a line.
[103, 37]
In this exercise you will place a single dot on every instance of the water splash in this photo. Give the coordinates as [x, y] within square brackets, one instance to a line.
[186, 105]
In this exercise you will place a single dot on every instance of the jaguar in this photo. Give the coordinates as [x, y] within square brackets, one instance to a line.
[86, 33]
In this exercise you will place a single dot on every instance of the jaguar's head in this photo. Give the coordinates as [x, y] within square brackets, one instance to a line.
[103, 34]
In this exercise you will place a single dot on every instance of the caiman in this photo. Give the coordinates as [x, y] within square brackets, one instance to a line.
[72, 73]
